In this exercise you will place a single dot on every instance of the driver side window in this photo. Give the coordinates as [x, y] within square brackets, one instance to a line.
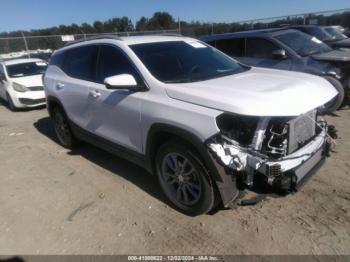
[113, 62]
[260, 48]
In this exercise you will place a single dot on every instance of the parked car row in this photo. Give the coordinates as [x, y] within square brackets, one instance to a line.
[327, 34]
[289, 49]
[204, 123]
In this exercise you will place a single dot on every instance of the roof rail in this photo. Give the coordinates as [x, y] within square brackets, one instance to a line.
[117, 37]
[167, 34]
[106, 36]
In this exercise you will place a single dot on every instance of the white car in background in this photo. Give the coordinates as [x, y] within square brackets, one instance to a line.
[21, 82]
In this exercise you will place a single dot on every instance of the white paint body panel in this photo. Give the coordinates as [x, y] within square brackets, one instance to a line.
[258, 92]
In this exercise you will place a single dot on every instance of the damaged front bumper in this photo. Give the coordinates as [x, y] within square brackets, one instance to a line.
[286, 173]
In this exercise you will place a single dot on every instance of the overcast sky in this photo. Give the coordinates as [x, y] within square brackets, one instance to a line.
[35, 14]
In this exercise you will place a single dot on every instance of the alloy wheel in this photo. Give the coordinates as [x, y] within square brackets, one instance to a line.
[62, 128]
[181, 179]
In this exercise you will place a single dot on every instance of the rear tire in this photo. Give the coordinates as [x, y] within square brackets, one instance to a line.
[62, 128]
[184, 178]
[336, 102]
[10, 103]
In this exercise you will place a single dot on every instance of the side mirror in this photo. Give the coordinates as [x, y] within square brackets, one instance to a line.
[279, 54]
[123, 81]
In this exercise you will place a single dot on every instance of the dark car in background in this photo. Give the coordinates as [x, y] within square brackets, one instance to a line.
[328, 34]
[288, 49]
[339, 40]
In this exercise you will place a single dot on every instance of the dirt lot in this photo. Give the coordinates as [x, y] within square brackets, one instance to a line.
[54, 201]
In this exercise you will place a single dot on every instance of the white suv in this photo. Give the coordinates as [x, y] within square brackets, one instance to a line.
[21, 82]
[190, 114]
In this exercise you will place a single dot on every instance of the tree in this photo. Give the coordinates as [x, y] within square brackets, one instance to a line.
[87, 28]
[142, 24]
[123, 24]
[159, 21]
[98, 26]
[162, 20]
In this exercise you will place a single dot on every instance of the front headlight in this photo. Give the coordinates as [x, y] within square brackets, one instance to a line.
[238, 128]
[19, 88]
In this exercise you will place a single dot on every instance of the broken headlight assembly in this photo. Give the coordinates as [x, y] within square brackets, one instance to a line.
[232, 145]
[238, 128]
[271, 146]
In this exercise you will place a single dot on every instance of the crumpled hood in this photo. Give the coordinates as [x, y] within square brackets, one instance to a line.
[258, 92]
[28, 81]
[333, 56]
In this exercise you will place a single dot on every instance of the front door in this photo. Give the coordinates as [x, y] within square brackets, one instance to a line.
[115, 113]
[259, 52]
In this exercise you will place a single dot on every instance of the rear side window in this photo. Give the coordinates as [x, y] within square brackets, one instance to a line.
[113, 62]
[231, 47]
[2, 72]
[260, 48]
[57, 59]
[81, 62]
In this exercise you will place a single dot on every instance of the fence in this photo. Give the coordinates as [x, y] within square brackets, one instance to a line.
[41, 46]
[331, 17]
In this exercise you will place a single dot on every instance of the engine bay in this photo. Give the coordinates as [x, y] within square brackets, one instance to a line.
[271, 146]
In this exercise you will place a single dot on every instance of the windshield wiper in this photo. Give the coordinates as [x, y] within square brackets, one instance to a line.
[175, 81]
[224, 70]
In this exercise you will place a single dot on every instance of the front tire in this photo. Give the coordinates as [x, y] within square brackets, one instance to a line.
[184, 178]
[62, 129]
[336, 102]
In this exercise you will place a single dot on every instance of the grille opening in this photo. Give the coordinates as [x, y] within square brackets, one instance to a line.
[284, 136]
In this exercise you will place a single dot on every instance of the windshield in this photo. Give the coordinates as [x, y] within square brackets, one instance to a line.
[303, 44]
[319, 33]
[26, 69]
[183, 62]
[334, 33]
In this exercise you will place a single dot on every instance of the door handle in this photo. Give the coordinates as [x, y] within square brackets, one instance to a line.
[59, 86]
[95, 93]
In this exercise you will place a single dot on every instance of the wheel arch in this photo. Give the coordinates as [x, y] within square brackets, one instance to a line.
[52, 102]
[159, 133]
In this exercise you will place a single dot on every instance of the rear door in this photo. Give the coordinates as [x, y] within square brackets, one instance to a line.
[115, 113]
[73, 87]
[259, 52]
[234, 47]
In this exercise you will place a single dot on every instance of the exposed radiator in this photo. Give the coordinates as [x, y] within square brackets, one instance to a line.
[301, 130]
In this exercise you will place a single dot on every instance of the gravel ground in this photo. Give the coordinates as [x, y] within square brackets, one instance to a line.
[55, 201]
